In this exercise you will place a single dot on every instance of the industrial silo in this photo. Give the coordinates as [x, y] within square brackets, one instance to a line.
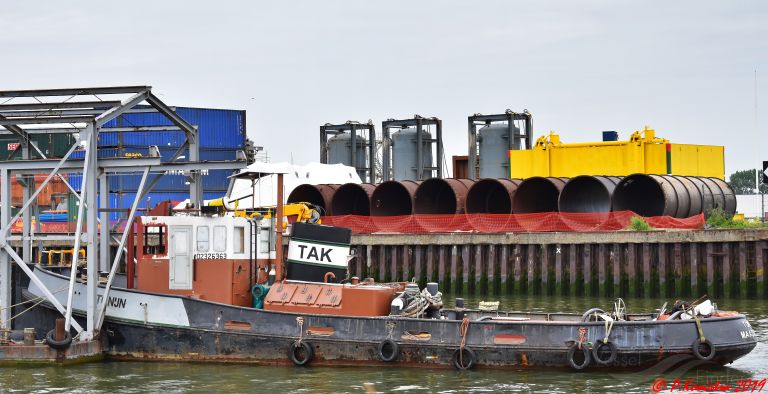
[493, 141]
[405, 152]
[491, 137]
[339, 148]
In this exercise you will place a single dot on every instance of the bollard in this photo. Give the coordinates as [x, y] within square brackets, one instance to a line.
[59, 333]
[29, 337]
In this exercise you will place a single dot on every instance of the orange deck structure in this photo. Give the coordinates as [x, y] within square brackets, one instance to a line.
[331, 298]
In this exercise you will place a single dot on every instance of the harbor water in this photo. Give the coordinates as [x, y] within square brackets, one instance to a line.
[141, 377]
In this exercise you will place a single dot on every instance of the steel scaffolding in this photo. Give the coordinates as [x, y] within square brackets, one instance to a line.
[76, 111]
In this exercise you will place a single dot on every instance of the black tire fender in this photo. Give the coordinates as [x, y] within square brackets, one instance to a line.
[572, 357]
[596, 352]
[696, 347]
[389, 350]
[58, 345]
[301, 353]
[464, 359]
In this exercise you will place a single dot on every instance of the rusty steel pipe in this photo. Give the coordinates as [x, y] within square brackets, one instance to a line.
[718, 197]
[491, 195]
[587, 194]
[647, 195]
[393, 198]
[441, 196]
[672, 195]
[353, 199]
[725, 199]
[707, 195]
[318, 195]
[538, 194]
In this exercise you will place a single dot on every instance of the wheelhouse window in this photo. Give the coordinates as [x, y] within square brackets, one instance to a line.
[219, 239]
[202, 239]
[239, 239]
[155, 239]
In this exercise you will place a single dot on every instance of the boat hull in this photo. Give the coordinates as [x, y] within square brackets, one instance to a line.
[218, 332]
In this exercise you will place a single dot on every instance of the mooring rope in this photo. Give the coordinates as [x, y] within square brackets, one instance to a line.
[300, 326]
[26, 310]
[390, 329]
[33, 300]
[608, 325]
[582, 336]
[421, 301]
[698, 323]
[37, 301]
[463, 328]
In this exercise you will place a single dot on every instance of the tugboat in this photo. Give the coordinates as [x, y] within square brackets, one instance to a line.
[212, 286]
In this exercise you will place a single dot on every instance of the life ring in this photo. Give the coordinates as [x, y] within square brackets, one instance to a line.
[464, 359]
[389, 350]
[698, 344]
[301, 353]
[50, 339]
[598, 349]
[587, 314]
[572, 351]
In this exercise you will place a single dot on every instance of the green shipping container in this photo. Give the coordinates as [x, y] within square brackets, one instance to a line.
[52, 145]
[72, 207]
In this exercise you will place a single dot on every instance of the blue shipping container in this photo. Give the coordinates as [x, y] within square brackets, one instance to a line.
[215, 180]
[125, 200]
[217, 128]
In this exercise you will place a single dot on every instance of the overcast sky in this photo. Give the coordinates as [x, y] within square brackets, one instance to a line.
[685, 68]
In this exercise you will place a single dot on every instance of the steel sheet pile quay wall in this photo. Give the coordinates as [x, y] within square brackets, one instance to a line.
[393, 198]
[318, 195]
[675, 264]
[352, 199]
[669, 195]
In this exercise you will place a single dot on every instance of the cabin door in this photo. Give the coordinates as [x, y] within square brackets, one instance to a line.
[180, 258]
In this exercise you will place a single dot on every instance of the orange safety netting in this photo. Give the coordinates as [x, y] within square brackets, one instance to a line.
[505, 223]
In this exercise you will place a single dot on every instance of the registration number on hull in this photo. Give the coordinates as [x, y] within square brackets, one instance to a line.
[210, 256]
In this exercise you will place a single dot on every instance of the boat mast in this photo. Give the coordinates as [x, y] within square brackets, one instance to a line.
[279, 228]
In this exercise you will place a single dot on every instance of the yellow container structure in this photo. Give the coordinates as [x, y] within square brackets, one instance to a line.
[642, 153]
